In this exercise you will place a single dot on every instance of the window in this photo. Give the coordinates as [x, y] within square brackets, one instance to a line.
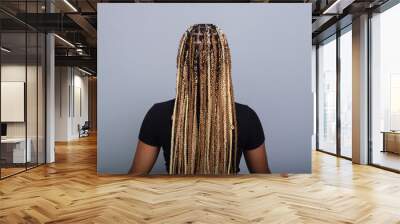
[346, 93]
[334, 106]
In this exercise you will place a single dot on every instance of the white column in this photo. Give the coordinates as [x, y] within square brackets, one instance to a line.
[50, 92]
[360, 90]
[50, 100]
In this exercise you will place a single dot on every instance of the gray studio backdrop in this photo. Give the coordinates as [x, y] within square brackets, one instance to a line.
[271, 69]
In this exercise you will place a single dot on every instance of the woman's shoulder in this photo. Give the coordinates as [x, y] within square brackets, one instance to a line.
[243, 109]
[162, 108]
[165, 104]
[167, 107]
[246, 116]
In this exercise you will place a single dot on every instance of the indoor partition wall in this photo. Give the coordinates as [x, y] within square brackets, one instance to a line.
[22, 88]
[334, 93]
[385, 89]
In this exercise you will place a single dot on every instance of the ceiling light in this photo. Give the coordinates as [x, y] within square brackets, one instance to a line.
[79, 51]
[337, 7]
[5, 50]
[84, 71]
[65, 41]
[70, 5]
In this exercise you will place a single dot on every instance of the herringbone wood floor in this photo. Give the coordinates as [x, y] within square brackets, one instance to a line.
[70, 191]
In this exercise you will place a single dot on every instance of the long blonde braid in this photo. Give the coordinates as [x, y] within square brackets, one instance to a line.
[204, 126]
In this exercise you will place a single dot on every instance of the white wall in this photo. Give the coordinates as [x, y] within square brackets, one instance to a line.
[69, 84]
[62, 81]
[12, 73]
[79, 117]
[17, 73]
[33, 127]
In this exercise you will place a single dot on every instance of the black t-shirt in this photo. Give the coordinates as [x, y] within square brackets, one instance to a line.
[157, 125]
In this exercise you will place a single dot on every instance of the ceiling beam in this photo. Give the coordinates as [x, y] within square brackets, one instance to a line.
[84, 24]
[82, 61]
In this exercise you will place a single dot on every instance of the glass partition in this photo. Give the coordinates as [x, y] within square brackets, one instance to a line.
[327, 96]
[13, 92]
[22, 89]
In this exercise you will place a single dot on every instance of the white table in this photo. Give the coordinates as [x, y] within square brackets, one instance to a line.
[20, 155]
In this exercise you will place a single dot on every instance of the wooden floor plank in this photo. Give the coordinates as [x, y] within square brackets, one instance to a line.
[70, 191]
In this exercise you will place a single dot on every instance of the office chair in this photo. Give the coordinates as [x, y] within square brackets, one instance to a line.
[84, 130]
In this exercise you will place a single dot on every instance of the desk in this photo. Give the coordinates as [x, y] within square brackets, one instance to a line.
[391, 141]
[13, 150]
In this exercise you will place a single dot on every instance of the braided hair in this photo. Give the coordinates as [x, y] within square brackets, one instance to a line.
[204, 126]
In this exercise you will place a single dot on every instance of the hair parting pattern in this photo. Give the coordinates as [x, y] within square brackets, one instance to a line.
[204, 126]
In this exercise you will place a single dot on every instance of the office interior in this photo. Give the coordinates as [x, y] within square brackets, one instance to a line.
[26, 64]
[334, 90]
[48, 86]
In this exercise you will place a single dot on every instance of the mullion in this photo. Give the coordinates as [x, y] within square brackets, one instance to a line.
[338, 93]
[37, 90]
[317, 96]
[45, 73]
[0, 95]
[369, 94]
[26, 86]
